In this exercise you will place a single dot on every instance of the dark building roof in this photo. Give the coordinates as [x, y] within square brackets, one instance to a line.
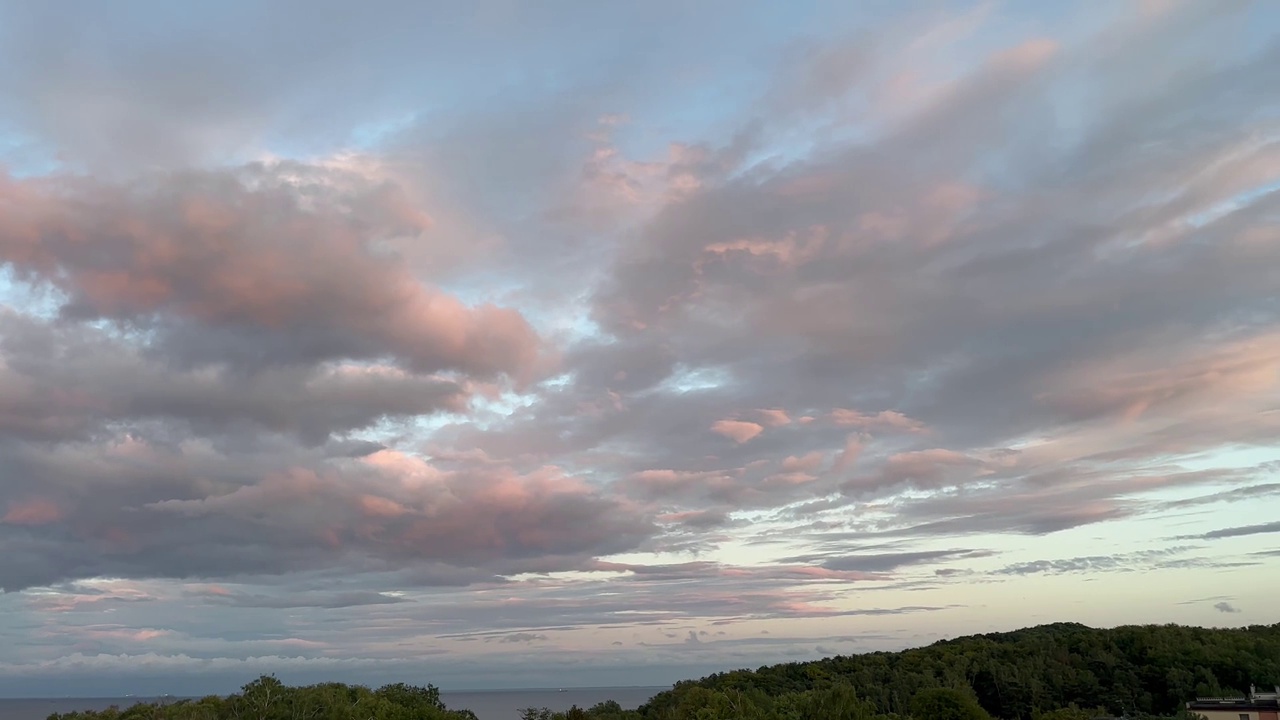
[1253, 701]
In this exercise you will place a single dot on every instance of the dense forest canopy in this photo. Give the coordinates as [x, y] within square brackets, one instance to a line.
[1063, 671]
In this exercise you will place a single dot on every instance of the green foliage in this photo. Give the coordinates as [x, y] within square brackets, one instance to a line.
[1049, 672]
[269, 699]
[946, 704]
[1070, 713]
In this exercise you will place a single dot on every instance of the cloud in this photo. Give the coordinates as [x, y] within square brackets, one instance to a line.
[381, 508]
[885, 419]
[891, 561]
[297, 599]
[37, 511]
[1225, 607]
[522, 638]
[1142, 561]
[739, 431]
[206, 261]
[1241, 531]
[96, 380]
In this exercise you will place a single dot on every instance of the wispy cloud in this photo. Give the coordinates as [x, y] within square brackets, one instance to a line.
[1241, 531]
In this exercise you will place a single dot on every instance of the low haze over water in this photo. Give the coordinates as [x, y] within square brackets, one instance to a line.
[486, 704]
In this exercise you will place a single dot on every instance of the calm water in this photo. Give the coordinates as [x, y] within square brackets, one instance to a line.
[489, 705]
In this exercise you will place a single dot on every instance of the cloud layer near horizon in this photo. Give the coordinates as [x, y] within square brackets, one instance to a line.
[564, 353]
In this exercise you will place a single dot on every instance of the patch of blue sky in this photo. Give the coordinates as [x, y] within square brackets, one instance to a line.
[565, 320]
[478, 288]
[1250, 462]
[37, 301]
[567, 323]
[372, 135]
[136, 334]
[1234, 457]
[1253, 31]
[485, 413]
[1230, 205]
[699, 115]
[491, 410]
[22, 156]
[419, 427]
[687, 379]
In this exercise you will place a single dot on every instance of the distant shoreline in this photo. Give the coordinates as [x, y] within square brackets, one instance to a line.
[470, 691]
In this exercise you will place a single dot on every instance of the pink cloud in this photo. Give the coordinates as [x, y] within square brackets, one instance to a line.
[37, 511]
[665, 482]
[806, 463]
[138, 635]
[739, 431]
[1132, 386]
[392, 505]
[789, 479]
[849, 454]
[375, 506]
[773, 417]
[1028, 55]
[790, 251]
[932, 468]
[883, 420]
[222, 251]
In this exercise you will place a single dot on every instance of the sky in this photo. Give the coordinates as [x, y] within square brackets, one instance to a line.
[507, 344]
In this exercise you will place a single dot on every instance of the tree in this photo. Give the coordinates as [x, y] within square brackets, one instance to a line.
[946, 704]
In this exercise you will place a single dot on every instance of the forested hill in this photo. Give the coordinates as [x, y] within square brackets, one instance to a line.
[1133, 670]
[1051, 672]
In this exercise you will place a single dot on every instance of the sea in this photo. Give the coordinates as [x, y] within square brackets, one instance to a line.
[486, 704]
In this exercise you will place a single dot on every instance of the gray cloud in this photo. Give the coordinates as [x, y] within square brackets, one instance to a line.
[522, 638]
[298, 599]
[1124, 562]
[884, 562]
[205, 262]
[1225, 607]
[169, 520]
[1242, 531]
[97, 380]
